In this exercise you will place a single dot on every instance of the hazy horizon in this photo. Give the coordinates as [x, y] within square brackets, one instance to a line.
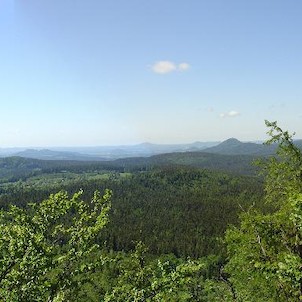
[62, 147]
[109, 73]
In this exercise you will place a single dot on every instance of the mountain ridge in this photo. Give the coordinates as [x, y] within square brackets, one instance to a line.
[231, 146]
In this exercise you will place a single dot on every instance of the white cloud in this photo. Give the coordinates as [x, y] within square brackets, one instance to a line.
[163, 67]
[231, 113]
[183, 66]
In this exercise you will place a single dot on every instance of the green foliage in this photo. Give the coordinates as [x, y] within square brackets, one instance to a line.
[184, 211]
[49, 251]
[179, 211]
[161, 279]
[284, 172]
[43, 249]
[265, 252]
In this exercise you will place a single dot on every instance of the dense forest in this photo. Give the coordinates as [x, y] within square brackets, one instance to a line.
[174, 227]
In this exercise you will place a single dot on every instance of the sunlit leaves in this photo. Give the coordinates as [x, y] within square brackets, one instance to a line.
[42, 248]
[265, 252]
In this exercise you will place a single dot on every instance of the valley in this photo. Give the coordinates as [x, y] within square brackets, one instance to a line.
[168, 213]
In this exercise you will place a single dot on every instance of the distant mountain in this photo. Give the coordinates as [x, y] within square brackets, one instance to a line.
[233, 146]
[46, 154]
[5, 152]
[105, 152]
[298, 143]
[154, 149]
[144, 149]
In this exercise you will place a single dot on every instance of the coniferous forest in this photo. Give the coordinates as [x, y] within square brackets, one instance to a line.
[153, 230]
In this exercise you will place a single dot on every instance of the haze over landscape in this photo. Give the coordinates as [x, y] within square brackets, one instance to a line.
[94, 73]
[147, 151]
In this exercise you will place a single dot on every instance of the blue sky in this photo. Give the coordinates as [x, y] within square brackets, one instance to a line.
[109, 72]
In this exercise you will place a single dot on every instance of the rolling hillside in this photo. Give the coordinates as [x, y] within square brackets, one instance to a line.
[232, 146]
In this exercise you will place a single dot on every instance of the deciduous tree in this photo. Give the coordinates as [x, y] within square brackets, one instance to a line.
[44, 249]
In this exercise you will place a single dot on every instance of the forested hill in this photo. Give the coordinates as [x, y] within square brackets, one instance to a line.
[230, 146]
[104, 152]
[15, 168]
[239, 164]
[233, 146]
[163, 209]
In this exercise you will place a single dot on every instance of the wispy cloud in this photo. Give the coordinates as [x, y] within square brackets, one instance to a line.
[231, 113]
[183, 66]
[164, 67]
